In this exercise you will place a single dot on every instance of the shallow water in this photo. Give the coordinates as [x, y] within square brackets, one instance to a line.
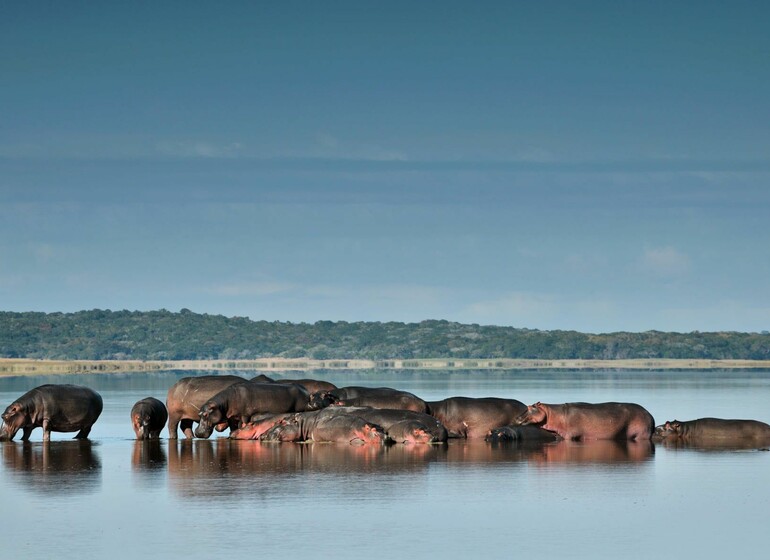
[112, 497]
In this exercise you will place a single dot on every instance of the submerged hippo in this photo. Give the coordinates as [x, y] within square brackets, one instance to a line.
[321, 426]
[587, 421]
[466, 417]
[236, 404]
[148, 416]
[55, 408]
[186, 396]
[521, 434]
[715, 429]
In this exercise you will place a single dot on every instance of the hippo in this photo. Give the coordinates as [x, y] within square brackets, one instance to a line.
[405, 426]
[321, 426]
[587, 421]
[186, 396]
[466, 417]
[521, 434]
[148, 416]
[310, 385]
[714, 429]
[237, 403]
[257, 425]
[375, 397]
[55, 408]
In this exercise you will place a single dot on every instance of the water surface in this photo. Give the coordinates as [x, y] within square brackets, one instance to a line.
[112, 497]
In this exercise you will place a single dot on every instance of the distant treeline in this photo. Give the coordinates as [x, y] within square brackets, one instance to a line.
[163, 335]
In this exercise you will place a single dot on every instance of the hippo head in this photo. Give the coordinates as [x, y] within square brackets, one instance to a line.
[210, 416]
[287, 429]
[418, 435]
[15, 417]
[369, 433]
[410, 431]
[672, 429]
[249, 431]
[534, 414]
[320, 399]
[141, 424]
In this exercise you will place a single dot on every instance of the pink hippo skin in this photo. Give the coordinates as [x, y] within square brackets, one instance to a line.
[586, 421]
[258, 425]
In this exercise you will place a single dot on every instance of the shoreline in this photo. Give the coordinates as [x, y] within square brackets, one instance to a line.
[10, 367]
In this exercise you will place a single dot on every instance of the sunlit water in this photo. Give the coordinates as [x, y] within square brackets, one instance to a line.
[115, 498]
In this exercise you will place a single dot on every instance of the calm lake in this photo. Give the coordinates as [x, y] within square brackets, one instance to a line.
[116, 498]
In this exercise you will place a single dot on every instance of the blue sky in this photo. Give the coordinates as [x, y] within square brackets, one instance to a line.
[597, 166]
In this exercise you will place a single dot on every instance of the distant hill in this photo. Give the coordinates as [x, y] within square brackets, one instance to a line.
[163, 335]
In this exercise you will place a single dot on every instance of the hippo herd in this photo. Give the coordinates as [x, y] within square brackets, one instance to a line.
[310, 410]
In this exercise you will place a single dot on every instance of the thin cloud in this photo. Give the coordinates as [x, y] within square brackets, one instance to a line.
[251, 289]
[200, 149]
[515, 307]
[664, 262]
[329, 146]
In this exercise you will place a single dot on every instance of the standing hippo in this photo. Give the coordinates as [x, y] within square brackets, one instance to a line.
[236, 404]
[148, 416]
[708, 429]
[375, 397]
[586, 421]
[310, 385]
[322, 426]
[55, 408]
[186, 396]
[466, 417]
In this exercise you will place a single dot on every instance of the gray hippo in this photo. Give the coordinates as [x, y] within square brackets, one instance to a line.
[375, 397]
[186, 396]
[310, 385]
[323, 426]
[236, 404]
[55, 408]
[521, 434]
[148, 416]
[406, 426]
[587, 421]
[466, 417]
[704, 430]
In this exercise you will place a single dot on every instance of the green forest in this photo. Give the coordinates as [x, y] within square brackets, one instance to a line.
[185, 335]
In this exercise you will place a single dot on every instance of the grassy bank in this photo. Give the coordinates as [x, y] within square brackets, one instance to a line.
[15, 367]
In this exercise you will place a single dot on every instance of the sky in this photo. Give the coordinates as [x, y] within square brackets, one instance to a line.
[592, 166]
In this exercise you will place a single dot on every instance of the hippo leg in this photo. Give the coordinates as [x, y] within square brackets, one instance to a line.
[186, 427]
[173, 424]
[46, 430]
[27, 432]
[83, 434]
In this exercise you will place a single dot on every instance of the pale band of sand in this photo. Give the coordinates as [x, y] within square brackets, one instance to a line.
[17, 367]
